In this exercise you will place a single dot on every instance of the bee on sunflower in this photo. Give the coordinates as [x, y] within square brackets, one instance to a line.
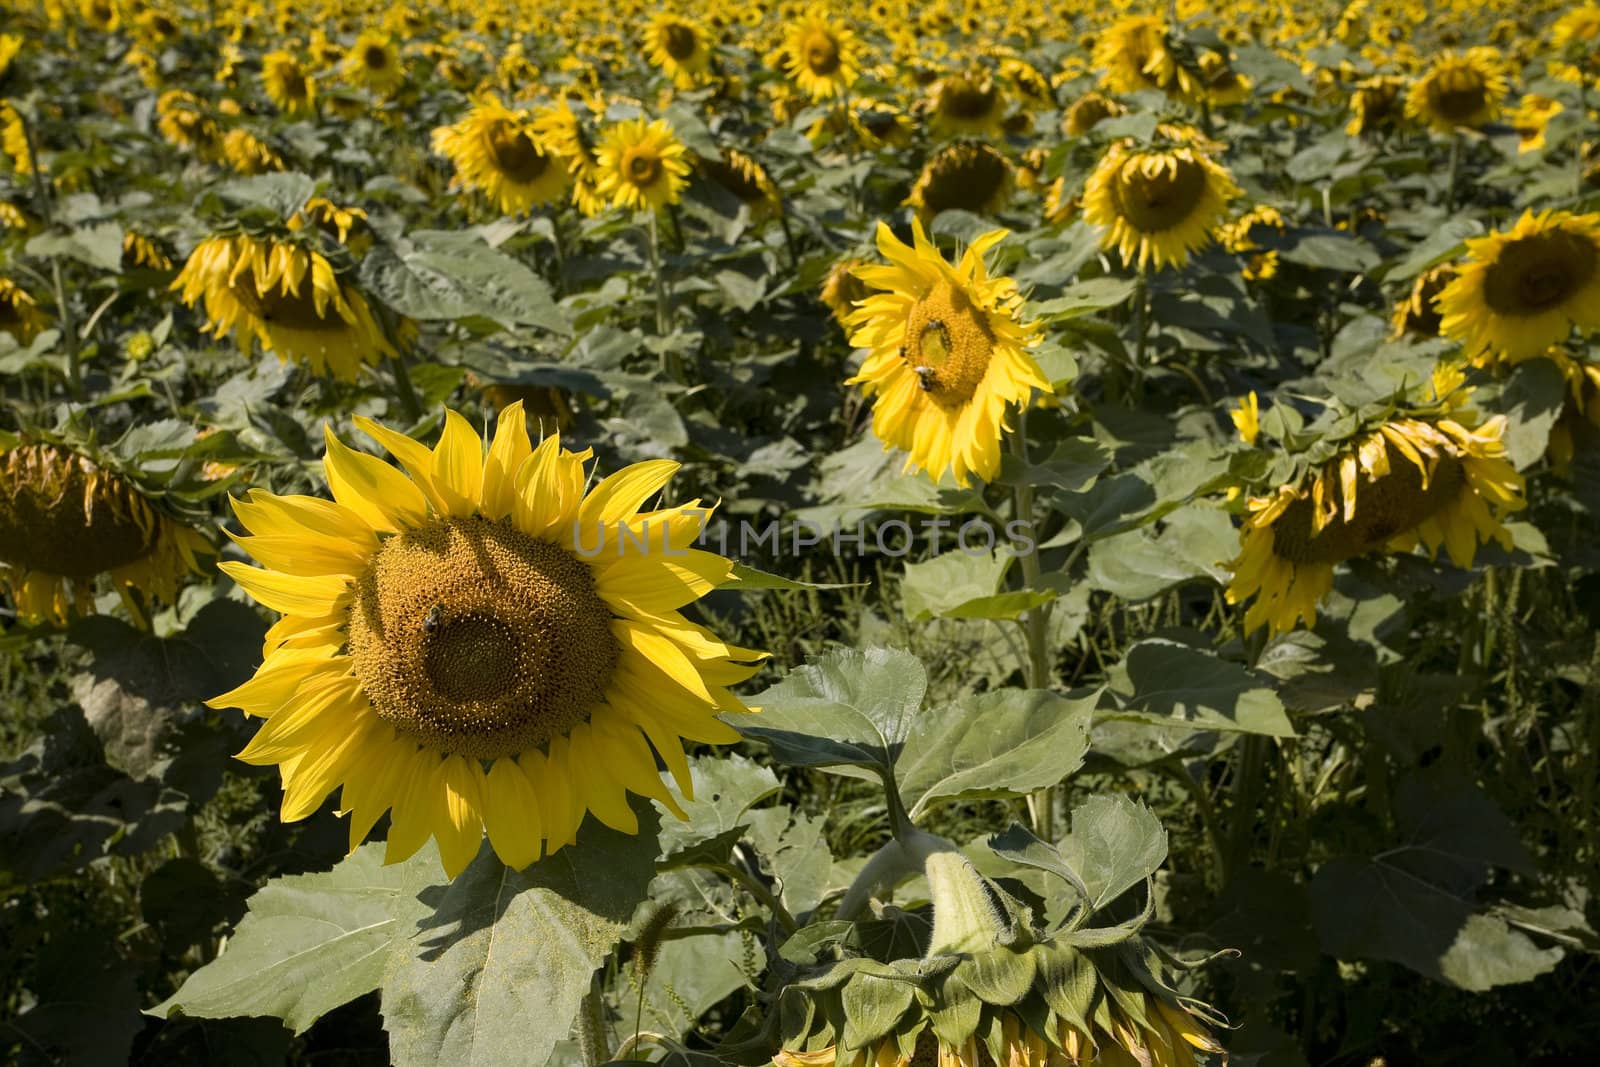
[820, 54]
[679, 47]
[1158, 204]
[1524, 289]
[500, 152]
[454, 649]
[1460, 90]
[965, 176]
[641, 165]
[946, 354]
[1418, 471]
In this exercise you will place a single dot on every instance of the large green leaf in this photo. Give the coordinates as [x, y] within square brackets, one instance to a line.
[1114, 844]
[725, 788]
[1006, 743]
[497, 973]
[312, 942]
[444, 275]
[966, 585]
[1170, 684]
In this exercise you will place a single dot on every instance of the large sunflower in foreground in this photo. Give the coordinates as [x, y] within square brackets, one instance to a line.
[819, 54]
[1523, 290]
[1157, 204]
[500, 152]
[288, 297]
[462, 649]
[641, 165]
[1430, 477]
[65, 520]
[1460, 89]
[679, 47]
[947, 354]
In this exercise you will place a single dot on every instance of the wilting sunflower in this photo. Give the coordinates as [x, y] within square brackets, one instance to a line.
[184, 123]
[1087, 112]
[1242, 237]
[19, 314]
[679, 47]
[968, 103]
[1418, 314]
[1532, 115]
[966, 176]
[1460, 89]
[500, 152]
[143, 252]
[819, 54]
[1376, 105]
[10, 46]
[1134, 54]
[286, 296]
[374, 63]
[947, 354]
[14, 139]
[289, 86]
[641, 165]
[1523, 290]
[456, 649]
[248, 154]
[1157, 204]
[1413, 479]
[747, 180]
[65, 520]
[1581, 412]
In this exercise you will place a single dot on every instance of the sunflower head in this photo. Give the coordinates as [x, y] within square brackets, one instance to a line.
[842, 290]
[1460, 89]
[183, 121]
[679, 47]
[374, 63]
[747, 180]
[248, 154]
[1135, 53]
[1087, 112]
[1417, 315]
[966, 176]
[289, 85]
[1524, 289]
[1157, 205]
[968, 103]
[143, 252]
[1244, 236]
[1532, 115]
[501, 153]
[641, 165]
[480, 645]
[820, 54]
[1376, 105]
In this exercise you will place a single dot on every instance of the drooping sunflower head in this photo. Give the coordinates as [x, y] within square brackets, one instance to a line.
[501, 153]
[101, 14]
[143, 252]
[1376, 105]
[19, 313]
[570, 137]
[1460, 89]
[1580, 413]
[679, 47]
[1578, 30]
[248, 154]
[66, 519]
[820, 54]
[747, 180]
[1524, 289]
[345, 225]
[1245, 235]
[1157, 205]
[478, 645]
[289, 85]
[966, 176]
[284, 293]
[641, 165]
[1426, 474]
[374, 63]
[1219, 83]
[1087, 112]
[1532, 116]
[947, 354]
[1417, 315]
[1134, 53]
[184, 123]
[968, 103]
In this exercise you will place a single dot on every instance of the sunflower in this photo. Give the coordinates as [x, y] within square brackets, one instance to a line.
[13, 217]
[842, 290]
[1577, 30]
[10, 45]
[679, 47]
[747, 180]
[1532, 115]
[500, 152]
[456, 650]
[374, 63]
[19, 314]
[1087, 112]
[819, 54]
[1376, 105]
[291, 88]
[1219, 83]
[287, 297]
[101, 14]
[1239, 237]
[181, 117]
[1461, 89]
[1417, 315]
[547, 408]
[1523, 290]
[565, 133]
[966, 176]
[968, 103]
[1582, 408]
[947, 354]
[1135, 54]
[14, 139]
[641, 165]
[248, 154]
[1157, 204]
[143, 252]
[1412, 480]
[65, 520]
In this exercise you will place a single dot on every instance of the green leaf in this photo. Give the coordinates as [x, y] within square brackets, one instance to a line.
[1438, 246]
[794, 850]
[964, 585]
[725, 788]
[282, 194]
[1072, 465]
[1114, 844]
[1082, 298]
[1006, 743]
[691, 975]
[97, 245]
[1195, 542]
[1170, 684]
[312, 942]
[844, 708]
[497, 973]
[1532, 397]
[752, 579]
[1332, 252]
[444, 275]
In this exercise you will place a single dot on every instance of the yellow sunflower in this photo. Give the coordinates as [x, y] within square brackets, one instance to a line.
[291, 88]
[1460, 89]
[14, 139]
[335, 221]
[968, 103]
[455, 648]
[1240, 238]
[10, 45]
[1532, 115]
[287, 297]
[1157, 204]
[1134, 54]
[1430, 481]
[19, 314]
[1376, 105]
[1582, 407]
[966, 176]
[65, 520]
[182, 119]
[142, 252]
[248, 154]
[13, 217]
[747, 180]
[1523, 290]
[1087, 112]
[679, 47]
[1418, 314]
[947, 354]
[374, 63]
[500, 152]
[101, 14]
[820, 55]
[641, 165]
[842, 290]
[1578, 29]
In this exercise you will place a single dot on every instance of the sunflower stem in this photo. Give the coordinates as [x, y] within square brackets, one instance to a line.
[409, 404]
[1455, 167]
[1036, 621]
[1141, 331]
[662, 315]
[43, 194]
[592, 1040]
[561, 253]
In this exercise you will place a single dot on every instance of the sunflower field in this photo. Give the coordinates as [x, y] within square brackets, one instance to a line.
[977, 533]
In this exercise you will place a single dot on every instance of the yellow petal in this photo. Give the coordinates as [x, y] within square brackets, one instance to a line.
[384, 497]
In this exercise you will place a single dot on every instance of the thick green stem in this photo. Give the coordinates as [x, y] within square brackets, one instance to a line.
[1455, 170]
[1141, 332]
[409, 403]
[899, 859]
[663, 318]
[1038, 671]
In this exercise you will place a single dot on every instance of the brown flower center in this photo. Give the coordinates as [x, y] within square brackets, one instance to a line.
[514, 153]
[821, 53]
[1157, 193]
[279, 307]
[1385, 507]
[640, 166]
[680, 41]
[1535, 273]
